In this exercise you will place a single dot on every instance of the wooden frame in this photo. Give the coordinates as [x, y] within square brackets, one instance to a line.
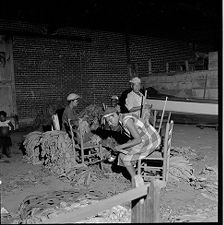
[156, 118]
[185, 107]
[145, 204]
[86, 146]
[165, 156]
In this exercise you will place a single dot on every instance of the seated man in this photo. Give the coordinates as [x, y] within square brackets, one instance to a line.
[69, 112]
[143, 138]
[115, 102]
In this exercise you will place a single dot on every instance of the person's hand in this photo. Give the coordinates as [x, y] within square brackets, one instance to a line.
[117, 148]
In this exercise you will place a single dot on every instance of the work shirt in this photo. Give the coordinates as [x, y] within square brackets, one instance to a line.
[150, 139]
[68, 114]
[133, 100]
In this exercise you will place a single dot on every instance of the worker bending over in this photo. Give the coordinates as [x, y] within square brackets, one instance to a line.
[143, 138]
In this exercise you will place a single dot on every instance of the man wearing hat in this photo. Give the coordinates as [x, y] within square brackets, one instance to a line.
[134, 98]
[143, 139]
[69, 112]
[114, 102]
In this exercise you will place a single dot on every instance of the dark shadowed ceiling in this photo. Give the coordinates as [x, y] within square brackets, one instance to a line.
[198, 20]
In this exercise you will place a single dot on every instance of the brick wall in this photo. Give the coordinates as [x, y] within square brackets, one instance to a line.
[46, 70]
[159, 50]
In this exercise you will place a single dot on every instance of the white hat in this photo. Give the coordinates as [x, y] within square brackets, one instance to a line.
[72, 96]
[135, 80]
[114, 97]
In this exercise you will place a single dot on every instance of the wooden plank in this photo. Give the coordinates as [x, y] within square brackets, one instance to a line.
[154, 192]
[164, 107]
[185, 107]
[92, 210]
[137, 205]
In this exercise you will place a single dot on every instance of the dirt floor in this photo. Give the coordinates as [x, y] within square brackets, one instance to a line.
[179, 201]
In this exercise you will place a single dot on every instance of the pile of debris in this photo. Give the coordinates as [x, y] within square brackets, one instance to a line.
[40, 208]
[207, 182]
[55, 150]
[181, 169]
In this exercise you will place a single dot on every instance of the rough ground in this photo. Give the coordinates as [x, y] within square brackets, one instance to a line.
[179, 201]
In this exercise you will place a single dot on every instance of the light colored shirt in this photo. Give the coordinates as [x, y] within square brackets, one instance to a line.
[5, 124]
[133, 100]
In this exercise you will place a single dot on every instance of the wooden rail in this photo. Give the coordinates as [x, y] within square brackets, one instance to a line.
[144, 198]
[185, 107]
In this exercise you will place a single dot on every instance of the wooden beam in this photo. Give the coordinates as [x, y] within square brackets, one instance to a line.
[137, 205]
[150, 66]
[185, 107]
[47, 36]
[186, 65]
[92, 210]
[154, 201]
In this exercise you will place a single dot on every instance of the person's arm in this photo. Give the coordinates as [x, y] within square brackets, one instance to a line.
[134, 109]
[134, 133]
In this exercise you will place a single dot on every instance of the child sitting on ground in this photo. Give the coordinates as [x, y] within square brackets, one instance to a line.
[5, 140]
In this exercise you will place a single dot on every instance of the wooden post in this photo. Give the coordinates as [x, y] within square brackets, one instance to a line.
[153, 200]
[161, 120]
[167, 67]
[205, 87]
[154, 118]
[186, 65]
[143, 105]
[150, 66]
[137, 205]
[72, 136]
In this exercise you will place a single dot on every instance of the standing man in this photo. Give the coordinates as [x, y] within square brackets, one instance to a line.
[5, 140]
[134, 98]
[69, 112]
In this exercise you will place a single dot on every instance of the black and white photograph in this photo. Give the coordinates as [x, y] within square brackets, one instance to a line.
[111, 111]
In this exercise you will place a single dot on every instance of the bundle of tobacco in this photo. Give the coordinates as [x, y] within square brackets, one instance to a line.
[53, 149]
[32, 144]
[92, 114]
[57, 152]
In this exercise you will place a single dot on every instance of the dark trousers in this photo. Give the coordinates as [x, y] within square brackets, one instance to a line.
[5, 144]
